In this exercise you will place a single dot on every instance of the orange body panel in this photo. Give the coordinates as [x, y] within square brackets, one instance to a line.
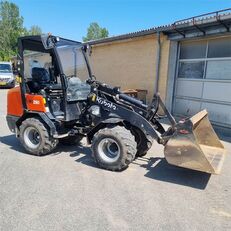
[14, 102]
[35, 103]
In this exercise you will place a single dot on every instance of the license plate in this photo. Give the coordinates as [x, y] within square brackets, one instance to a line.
[2, 83]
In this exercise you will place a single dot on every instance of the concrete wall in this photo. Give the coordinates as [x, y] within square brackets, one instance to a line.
[131, 63]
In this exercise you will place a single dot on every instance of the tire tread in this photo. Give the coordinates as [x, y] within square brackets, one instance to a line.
[129, 142]
[49, 144]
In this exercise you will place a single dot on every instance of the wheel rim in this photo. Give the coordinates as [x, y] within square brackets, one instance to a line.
[109, 150]
[32, 137]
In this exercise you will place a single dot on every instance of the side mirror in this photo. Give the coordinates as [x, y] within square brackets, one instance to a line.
[87, 49]
[84, 48]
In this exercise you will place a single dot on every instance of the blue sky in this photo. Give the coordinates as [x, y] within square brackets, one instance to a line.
[70, 18]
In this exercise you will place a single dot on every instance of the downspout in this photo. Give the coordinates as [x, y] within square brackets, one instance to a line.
[156, 85]
[158, 57]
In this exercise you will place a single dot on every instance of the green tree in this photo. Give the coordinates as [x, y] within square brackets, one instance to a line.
[35, 30]
[94, 31]
[11, 27]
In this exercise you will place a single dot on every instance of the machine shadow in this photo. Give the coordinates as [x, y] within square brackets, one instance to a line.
[12, 142]
[82, 154]
[225, 138]
[159, 169]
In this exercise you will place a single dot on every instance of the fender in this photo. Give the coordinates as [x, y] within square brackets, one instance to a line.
[102, 124]
[43, 116]
[113, 113]
[112, 120]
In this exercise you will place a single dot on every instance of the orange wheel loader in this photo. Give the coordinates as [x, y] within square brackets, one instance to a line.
[59, 100]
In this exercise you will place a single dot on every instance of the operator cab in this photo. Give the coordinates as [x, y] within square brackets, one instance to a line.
[56, 70]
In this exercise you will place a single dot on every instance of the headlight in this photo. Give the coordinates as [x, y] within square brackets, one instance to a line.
[95, 110]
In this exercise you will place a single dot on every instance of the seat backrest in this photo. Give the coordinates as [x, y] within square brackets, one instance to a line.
[40, 75]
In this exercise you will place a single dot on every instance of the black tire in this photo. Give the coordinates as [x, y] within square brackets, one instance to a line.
[142, 143]
[142, 148]
[120, 150]
[71, 140]
[35, 138]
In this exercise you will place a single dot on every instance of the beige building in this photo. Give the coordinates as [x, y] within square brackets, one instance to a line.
[131, 63]
[188, 62]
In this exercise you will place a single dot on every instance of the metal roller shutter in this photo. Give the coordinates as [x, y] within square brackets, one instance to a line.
[204, 80]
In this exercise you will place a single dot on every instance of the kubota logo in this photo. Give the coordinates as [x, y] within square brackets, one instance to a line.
[105, 103]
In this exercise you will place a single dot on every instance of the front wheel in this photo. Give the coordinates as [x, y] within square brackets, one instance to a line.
[142, 143]
[114, 148]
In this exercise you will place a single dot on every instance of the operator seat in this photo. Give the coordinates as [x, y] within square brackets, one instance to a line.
[40, 75]
[40, 78]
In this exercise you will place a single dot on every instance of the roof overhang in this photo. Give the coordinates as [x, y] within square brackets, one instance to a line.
[212, 23]
[199, 27]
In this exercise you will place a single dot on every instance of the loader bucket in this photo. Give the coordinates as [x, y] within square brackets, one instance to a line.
[195, 145]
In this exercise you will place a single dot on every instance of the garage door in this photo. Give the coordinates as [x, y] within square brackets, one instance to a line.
[204, 80]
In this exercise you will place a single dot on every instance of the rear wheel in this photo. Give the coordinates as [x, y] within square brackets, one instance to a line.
[35, 137]
[114, 148]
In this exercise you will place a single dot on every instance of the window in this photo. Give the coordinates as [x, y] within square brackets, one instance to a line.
[193, 50]
[191, 70]
[75, 68]
[5, 68]
[73, 62]
[219, 48]
[35, 59]
[219, 69]
[209, 59]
